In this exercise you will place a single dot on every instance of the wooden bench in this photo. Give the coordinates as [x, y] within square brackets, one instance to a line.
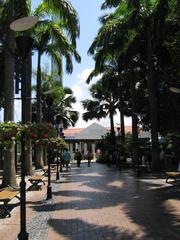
[172, 175]
[6, 195]
[37, 180]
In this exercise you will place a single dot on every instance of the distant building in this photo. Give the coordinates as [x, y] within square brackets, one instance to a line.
[86, 138]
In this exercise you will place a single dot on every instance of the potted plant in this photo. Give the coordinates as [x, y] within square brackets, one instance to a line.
[9, 133]
[58, 143]
[41, 132]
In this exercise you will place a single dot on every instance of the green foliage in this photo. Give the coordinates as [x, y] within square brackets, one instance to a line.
[173, 141]
[9, 133]
[58, 143]
[40, 131]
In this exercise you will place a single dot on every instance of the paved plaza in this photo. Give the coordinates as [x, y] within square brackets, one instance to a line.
[98, 203]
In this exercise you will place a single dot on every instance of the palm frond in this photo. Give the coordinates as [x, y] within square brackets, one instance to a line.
[66, 11]
[110, 4]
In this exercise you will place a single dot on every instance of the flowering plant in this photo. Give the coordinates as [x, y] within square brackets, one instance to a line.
[9, 133]
[41, 131]
[58, 143]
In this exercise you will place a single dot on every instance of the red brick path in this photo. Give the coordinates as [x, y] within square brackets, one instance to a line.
[100, 203]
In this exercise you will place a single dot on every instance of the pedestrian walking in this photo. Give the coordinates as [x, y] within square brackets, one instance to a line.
[89, 157]
[78, 157]
[67, 159]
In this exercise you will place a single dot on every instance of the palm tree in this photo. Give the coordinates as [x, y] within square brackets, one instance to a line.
[123, 30]
[58, 40]
[103, 103]
[57, 103]
[44, 33]
[9, 11]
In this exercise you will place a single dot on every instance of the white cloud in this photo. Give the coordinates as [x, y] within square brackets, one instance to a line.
[78, 91]
[82, 77]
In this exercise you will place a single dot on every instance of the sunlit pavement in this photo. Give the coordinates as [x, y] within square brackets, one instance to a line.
[98, 202]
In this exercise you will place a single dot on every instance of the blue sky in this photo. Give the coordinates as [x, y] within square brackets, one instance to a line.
[89, 12]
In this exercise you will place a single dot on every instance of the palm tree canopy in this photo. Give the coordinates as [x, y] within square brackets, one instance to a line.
[60, 100]
[67, 14]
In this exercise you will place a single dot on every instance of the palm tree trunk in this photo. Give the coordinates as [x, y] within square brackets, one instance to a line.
[45, 156]
[39, 151]
[135, 141]
[121, 109]
[9, 77]
[156, 165]
[135, 154]
[122, 124]
[112, 128]
[9, 172]
[178, 47]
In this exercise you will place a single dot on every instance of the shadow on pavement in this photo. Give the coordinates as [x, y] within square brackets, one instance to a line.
[148, 203]
[77, 229]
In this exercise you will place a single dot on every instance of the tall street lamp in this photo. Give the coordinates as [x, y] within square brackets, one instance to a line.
[61, 134]
[24, 45]
[49, 188]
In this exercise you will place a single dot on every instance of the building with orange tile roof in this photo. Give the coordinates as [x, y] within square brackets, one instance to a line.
[86, 139]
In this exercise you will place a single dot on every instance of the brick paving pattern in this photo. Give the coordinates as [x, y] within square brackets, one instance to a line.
[101, 203]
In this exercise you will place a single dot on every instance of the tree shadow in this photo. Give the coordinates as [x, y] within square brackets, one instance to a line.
[10, 207]
[144, 203]
[75, 229]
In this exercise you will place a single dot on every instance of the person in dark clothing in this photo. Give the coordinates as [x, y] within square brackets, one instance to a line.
[78, 157]
[89, 157]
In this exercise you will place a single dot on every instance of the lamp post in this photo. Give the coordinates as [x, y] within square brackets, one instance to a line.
[24, 45]
[57, 152]
[57, 167]
[119, 149]
[102, 147]
[61, 134]
[49, 188]
[49, 117]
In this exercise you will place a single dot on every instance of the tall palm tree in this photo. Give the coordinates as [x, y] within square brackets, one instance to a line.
[123, 30]
[60, 47]
[57, 40]
[103, 103]
[10, 11]
[59, 99]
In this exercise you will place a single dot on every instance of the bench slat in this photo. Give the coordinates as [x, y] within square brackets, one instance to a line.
[36, 178]
[174, 174]
[6, 195]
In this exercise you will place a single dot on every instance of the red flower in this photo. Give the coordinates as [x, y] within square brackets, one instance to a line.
[33, 135]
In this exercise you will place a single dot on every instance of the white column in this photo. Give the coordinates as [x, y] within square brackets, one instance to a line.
[76, 146]
[85, 148]
[93, 149]
[71, 148]
[80, 146]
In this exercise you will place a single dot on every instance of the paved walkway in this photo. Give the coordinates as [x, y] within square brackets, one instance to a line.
[100, 203]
